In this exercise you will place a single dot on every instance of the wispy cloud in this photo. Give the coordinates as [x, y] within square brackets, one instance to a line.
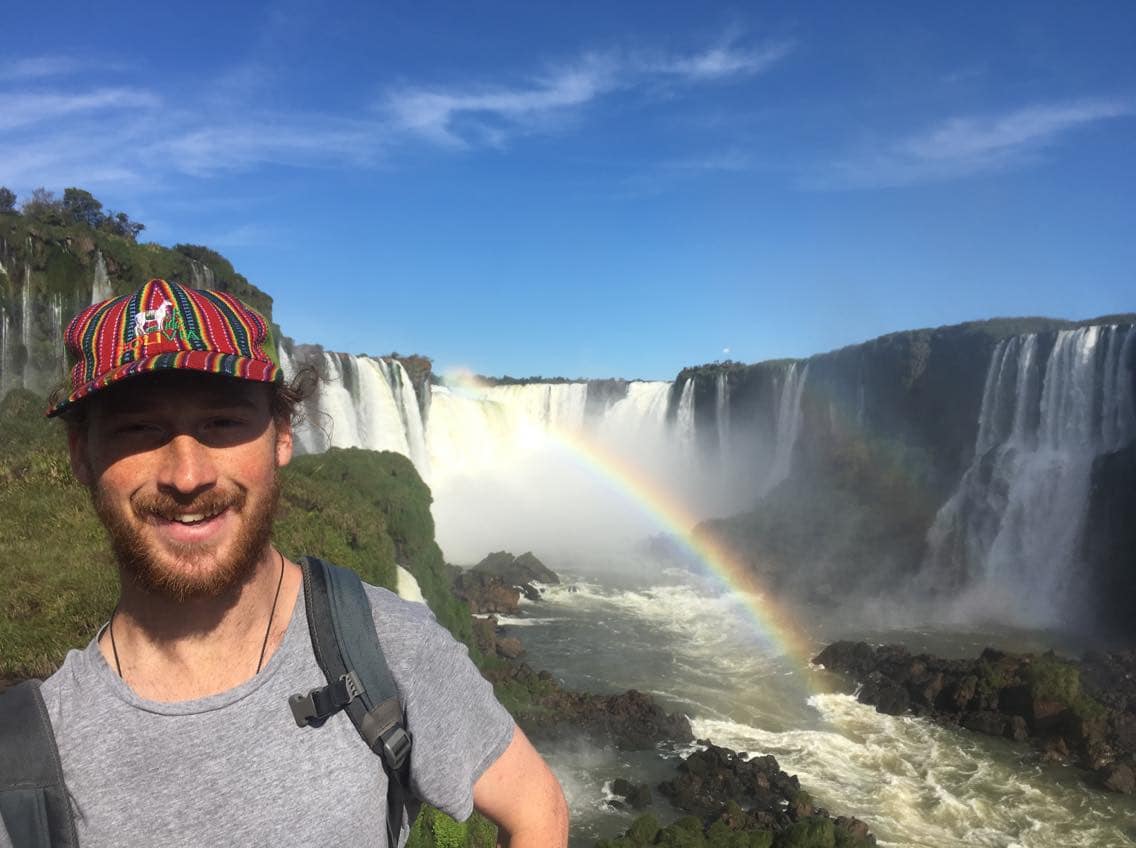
[466, 116]
[24, 109]
[37, 67]
[964, 146]
[89, 134]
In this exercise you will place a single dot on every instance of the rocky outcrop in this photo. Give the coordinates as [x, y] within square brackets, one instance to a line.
[631, 720]
[517, 570]
[1083, 713]
[736, 800]
[486, 594]
[492, 642]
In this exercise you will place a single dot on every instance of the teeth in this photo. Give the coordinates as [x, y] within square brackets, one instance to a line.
[192, 519]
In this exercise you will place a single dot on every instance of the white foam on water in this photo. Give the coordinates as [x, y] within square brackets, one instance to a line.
[915, 783]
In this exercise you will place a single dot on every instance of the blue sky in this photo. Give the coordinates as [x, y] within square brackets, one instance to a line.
[610, 189]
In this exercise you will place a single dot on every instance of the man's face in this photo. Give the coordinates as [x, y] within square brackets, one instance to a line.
[182, 471]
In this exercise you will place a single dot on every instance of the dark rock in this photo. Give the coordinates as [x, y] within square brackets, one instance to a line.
[990, 723]
[1118, 778]
[485, 634]
[883, 694]
[530, 591]
[637, 795]
[486, 594]
[516, 570]
[510, 647]
[1017, 729]
[957, 695]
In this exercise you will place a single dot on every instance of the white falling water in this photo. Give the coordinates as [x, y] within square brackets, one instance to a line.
[722, 416]
[788, 423]
[684, 416]
[525, 467]
[26, 324]
[1012, 530]
[406, 400]
[201, 276]
[357, 408]
[57, 334]
[6, 376]
[100, 285]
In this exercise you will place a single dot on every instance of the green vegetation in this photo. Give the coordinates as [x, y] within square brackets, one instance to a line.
[433, 829]
[59, 241]
[60, 580]
[733, 829]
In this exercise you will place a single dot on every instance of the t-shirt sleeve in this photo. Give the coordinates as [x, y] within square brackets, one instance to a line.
[458, 726]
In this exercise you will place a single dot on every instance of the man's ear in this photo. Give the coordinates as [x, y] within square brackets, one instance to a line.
[80, 464]
[283, 442]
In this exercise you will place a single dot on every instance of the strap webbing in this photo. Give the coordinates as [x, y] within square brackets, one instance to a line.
[33, 798]
[359, 680]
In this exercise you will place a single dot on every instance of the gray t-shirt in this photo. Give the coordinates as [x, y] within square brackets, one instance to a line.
[234, 769]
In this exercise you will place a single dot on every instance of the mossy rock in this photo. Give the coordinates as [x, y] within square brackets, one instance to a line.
[811, 832]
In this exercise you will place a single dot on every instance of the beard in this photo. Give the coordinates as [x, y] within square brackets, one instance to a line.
[195, 571]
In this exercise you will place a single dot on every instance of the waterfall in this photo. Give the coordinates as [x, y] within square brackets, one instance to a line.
[100, 285]
[684, 419]
[26, 324]
[57, 333]
[201, 276]
[5, 353]
[722, 416]
[356, 408]
[1011, 531]
[788, 423]
[406, 400]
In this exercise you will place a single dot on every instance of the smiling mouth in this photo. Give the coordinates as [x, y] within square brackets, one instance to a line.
[194, 518]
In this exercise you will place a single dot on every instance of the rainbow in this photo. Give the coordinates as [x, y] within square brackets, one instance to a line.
[773, 622]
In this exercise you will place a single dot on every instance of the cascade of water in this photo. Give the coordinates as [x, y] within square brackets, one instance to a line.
[26, 324]
[1012, 528]
[5, 353]
[684, 418]
[57, 333]
[788, 423]
[722, 416]
[406, 400]
[201, 276]
[100, 285]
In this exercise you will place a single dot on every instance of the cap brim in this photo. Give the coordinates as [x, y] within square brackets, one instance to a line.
[206, 362]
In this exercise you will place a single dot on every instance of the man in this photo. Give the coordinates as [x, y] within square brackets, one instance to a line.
[173, 725]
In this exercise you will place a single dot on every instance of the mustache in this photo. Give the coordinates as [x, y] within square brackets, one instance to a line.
[167, 507]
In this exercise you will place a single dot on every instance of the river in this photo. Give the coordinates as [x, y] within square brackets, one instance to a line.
[697, 649]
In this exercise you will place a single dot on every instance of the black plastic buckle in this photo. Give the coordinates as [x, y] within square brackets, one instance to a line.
[318, 705]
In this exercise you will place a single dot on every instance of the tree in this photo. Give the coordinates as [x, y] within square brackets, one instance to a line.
[120, 224]
[7, 200]
[44, 207]
[81, 207]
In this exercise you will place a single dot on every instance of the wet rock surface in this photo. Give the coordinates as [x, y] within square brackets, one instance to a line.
[738, 801]
[1081, 712]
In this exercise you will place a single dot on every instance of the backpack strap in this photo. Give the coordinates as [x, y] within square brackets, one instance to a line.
[34, 804]
[358, 678]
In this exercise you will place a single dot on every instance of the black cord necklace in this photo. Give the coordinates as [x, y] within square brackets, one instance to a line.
[263, 645]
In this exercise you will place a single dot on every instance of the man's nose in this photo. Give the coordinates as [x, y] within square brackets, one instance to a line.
[187, 466]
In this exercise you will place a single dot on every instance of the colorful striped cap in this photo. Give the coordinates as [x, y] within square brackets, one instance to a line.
[165, 325]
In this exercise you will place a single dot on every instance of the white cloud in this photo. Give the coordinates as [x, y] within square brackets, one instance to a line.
[36, 67]
[466, 116]
[128, 134]
[964, 146]
[24, 109]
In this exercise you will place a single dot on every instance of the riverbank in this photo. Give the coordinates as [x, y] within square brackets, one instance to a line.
[1077, 712]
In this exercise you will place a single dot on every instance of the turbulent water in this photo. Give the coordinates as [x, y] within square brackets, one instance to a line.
[696, 649]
